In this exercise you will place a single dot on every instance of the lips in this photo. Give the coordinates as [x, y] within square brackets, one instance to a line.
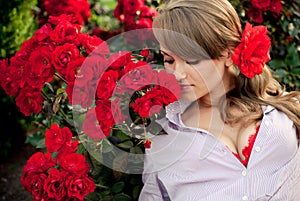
[185, 86]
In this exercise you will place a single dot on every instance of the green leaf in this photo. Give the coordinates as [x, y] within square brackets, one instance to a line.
[122, 197]
[136, 192]
[106, 146]
[118, 187]
[126, 145]
[276, 63]
[35, 139]
[295, 71]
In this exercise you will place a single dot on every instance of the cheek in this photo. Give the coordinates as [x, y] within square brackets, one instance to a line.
[209, 75]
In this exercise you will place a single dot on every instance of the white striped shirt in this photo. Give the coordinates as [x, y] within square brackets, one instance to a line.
[189, 164]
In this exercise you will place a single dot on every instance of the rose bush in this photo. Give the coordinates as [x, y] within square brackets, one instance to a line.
[116, 96]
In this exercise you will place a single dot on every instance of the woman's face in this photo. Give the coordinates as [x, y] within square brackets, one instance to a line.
[198, 79]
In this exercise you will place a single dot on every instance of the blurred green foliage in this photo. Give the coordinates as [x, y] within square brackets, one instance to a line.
[17, 24]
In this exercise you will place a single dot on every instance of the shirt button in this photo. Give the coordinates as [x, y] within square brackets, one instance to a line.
[244, 172]
[244, 198]
[257, 149]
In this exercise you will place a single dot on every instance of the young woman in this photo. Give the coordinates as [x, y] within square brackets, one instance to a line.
[234, 133]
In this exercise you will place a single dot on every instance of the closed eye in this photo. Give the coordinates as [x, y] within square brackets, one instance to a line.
[169, 61]
[193, 62]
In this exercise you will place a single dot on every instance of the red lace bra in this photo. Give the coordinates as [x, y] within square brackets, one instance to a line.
[247, 150]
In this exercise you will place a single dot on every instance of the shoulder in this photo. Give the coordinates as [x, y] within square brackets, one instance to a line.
[276, 116]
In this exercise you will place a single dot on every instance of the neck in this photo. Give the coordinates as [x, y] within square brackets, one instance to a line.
[217, 96]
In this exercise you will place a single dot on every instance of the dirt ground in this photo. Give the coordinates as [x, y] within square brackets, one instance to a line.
[10, 171]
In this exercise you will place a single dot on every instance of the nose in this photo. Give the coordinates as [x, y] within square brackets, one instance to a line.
[180, 72]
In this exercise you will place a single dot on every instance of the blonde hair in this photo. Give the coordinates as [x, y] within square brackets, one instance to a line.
[215, 27]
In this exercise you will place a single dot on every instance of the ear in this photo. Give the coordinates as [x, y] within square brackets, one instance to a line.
[228, 59]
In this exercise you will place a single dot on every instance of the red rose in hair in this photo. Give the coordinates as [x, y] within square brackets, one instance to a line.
[54, 184]
[79, 186]
[62, 55]
[74, 163]
[29, 101]
[253, 51]
[34, 183]
[39, 162]
[57, 137]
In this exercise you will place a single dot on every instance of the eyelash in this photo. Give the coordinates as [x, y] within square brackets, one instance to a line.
[169, 61]
[193, 62]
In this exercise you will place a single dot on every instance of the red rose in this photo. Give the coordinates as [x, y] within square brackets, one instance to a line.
[93, 44]
[79, 186]
[253, 51]
[39, 162]
[146, 11]
[108, 114]
[57, 137]
[43, 33]
[255, 15]
[74, 163]
[275, 6]
[119, 11]
[92, 69]
[169, 86]
[29, 101]
[55, 20]
[103, 34]
[65, 32]
[27, 47]
[11, 80]
[138, 75]
[144, 52]
[73, 69]
[119, 59]
[68, 147]
[147, 144]
[107, 84]
[39, 68]
[91, 126]
[34, 183]
[62, 55]
[54, 184]
[261, 4]
[149, 104]
[82, 95]
[3, 68]
[131, 6]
